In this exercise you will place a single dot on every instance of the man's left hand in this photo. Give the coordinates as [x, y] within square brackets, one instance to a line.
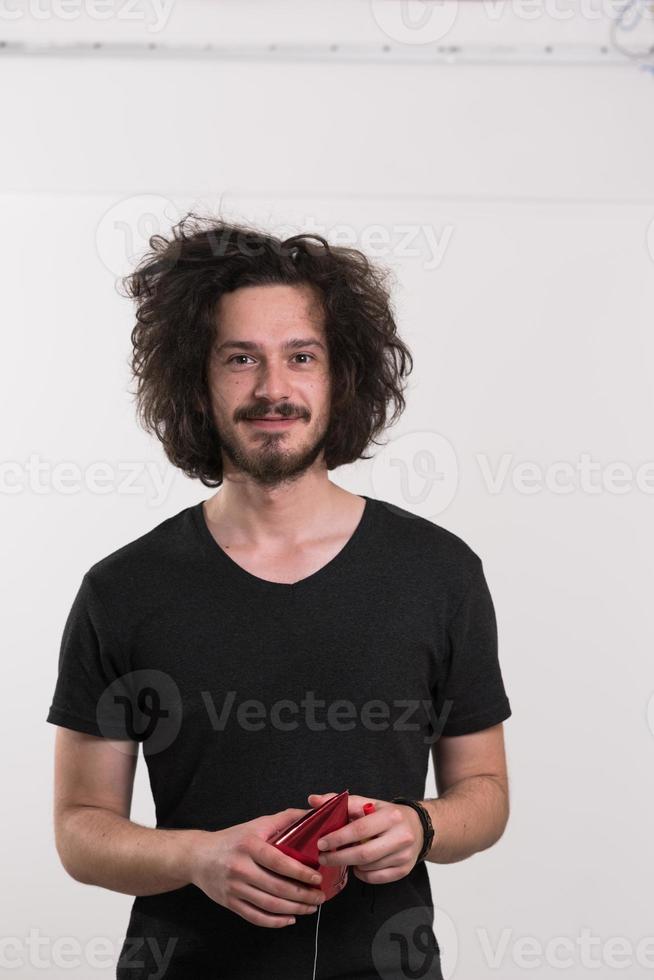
[395, 833]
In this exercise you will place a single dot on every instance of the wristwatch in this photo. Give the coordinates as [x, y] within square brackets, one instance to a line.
[425, 819]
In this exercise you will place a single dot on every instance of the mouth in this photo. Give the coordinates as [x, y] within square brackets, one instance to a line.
[274, 422]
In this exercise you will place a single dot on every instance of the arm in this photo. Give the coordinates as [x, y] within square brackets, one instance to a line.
[99, 845]
[95, 840]
[472, 808]
[469, 815]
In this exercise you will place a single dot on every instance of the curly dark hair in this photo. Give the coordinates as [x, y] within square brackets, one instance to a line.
[177, 286]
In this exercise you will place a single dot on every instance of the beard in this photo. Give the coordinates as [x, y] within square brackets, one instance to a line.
[269, 463]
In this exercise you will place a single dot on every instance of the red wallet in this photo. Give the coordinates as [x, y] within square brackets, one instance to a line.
[300, 839]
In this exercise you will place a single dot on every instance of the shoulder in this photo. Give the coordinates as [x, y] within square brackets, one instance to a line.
[421, 533]
[435, 550]
[152, 554]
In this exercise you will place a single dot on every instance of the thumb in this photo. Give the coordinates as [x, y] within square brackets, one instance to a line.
[320, 796]
[279, 821]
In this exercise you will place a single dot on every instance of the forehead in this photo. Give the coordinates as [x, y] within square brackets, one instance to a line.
[268, 308]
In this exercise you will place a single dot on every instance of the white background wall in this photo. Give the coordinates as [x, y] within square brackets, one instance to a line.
[525, 291]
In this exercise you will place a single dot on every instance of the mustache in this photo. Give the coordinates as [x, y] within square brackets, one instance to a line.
[283, 411]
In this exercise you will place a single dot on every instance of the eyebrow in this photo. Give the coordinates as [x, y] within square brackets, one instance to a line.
[291, 344]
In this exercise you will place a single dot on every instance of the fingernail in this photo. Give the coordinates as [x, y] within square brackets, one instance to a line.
[322, 844]
[316, 879]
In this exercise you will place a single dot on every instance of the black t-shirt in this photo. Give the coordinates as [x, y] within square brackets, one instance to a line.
[247, 695]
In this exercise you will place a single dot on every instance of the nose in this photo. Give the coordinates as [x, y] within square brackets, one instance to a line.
[272, 383]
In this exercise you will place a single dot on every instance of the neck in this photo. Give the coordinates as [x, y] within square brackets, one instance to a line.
[288, 513]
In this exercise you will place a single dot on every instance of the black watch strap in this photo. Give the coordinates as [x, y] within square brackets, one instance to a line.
[425, 819]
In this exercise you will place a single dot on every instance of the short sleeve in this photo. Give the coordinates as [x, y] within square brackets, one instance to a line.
[90, 670]
[471, 694]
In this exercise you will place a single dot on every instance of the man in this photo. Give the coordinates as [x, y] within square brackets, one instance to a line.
[278, 643]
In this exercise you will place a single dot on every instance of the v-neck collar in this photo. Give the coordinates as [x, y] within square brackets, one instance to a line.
[332, 568]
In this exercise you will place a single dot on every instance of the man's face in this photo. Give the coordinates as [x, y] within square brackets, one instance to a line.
[270, 358]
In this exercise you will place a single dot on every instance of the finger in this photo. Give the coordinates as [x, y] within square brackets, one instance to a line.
[252, 914]
[283, 887]
[348, 855]
[269, 856]
[272, 903]
[279, 821]
[392, 861]
[355, 802]
[377, 849]
[368, 826]
[383, 876]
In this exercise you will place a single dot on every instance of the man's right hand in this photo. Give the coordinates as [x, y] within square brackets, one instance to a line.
[239, 869]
